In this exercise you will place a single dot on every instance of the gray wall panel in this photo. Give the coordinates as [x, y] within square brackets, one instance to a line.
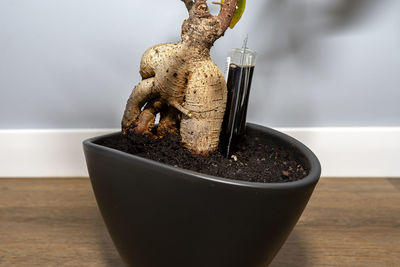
[72, 64]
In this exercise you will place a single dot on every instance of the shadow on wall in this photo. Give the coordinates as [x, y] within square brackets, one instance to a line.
[294, 24]
[290, 35]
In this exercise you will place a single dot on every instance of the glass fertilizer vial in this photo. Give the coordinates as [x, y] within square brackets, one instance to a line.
[239, 74]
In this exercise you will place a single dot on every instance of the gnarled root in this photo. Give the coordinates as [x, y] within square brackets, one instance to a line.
[147, 117]
[182, 84]
[169, 122]
[142, 93]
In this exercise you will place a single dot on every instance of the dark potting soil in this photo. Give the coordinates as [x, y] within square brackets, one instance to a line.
[253, 160]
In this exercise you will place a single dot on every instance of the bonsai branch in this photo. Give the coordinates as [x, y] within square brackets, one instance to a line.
[188, 4]
[226, 13]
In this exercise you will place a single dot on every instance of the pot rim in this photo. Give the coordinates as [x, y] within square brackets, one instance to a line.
[312, 177]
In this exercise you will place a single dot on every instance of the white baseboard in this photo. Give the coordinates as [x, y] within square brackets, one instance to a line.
[343, 151]
[353, 151]
[44, 153]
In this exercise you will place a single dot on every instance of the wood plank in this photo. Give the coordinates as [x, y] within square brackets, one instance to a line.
[395, 182]
[50, 222]
[348, 222]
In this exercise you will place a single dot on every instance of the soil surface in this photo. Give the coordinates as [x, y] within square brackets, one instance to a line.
[253, 160]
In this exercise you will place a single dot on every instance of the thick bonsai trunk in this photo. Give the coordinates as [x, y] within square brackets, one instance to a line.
[181, 82]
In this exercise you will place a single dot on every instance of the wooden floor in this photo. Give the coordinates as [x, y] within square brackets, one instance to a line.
[55, 222]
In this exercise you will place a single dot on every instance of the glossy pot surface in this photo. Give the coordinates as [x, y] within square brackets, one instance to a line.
[158, 215]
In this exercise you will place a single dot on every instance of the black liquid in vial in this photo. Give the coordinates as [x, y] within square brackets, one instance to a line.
[234, 123]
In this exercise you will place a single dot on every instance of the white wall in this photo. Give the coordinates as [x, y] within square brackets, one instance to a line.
[72, 64]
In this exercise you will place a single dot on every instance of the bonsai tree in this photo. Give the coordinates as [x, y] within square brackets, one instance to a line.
[182, 83]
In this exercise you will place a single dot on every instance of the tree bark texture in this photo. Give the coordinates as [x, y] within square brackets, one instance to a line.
[182, 83]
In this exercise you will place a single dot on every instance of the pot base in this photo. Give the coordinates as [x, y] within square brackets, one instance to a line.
[158, 215]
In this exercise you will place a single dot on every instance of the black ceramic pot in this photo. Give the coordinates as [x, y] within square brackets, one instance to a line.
[158, 215]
